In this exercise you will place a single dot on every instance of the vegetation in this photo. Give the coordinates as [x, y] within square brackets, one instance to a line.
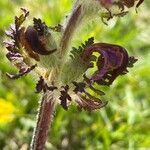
[124, 122]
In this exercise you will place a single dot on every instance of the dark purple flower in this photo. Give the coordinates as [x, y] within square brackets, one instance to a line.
[36, 41]
[112, 62]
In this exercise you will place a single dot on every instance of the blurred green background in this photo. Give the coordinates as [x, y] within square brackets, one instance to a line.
[123, 124]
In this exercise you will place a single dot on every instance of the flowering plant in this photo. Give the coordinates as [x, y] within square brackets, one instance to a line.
[63, 71]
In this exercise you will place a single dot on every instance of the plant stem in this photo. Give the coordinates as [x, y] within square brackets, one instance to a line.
[70, 28]
[44, 120]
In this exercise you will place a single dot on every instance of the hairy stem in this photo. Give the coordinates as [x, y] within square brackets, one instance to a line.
[70, 28]
[44, 120]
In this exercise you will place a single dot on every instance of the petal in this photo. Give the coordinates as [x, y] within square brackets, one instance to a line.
[112, 62]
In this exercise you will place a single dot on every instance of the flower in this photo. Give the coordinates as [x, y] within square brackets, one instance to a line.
[34, 48]
[113, 61]
[6, 111]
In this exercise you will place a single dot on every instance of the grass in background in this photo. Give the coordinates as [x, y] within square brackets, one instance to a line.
[123, 124]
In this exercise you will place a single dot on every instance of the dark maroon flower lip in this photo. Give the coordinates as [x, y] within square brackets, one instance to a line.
[112, 62]
[37, 45]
